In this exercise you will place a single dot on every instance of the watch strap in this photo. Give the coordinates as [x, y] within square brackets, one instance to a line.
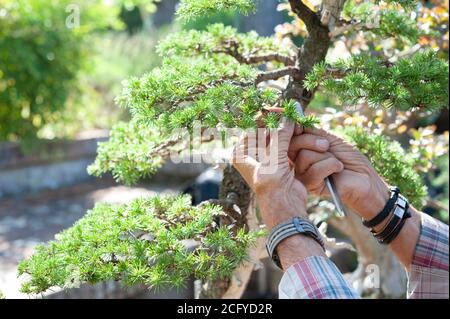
[287, 229]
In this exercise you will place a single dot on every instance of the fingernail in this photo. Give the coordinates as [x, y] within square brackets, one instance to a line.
[322, 144]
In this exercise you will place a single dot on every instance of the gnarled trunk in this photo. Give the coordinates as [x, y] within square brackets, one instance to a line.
[235, 189]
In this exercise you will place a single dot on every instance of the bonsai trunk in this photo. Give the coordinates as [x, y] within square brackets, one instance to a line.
[234, 190]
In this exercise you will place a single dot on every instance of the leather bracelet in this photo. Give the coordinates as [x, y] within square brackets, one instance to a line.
[400, 208]
[287, 229]
[395, 191]
[396, 231]
[396, 223]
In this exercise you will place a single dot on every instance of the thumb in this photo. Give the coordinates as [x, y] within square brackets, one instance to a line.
[284, 133]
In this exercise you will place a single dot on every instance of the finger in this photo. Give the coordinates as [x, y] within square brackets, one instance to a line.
[244, 152]
[333, 140]
[292, 156]
[309, 142]
[307, 158]
[316, 131]
[258, 139]
[316, 174]
[298, 130]
[285, 133]
[277, 151]
[279, 142]
[244, 159]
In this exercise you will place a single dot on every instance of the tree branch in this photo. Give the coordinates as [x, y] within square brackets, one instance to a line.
[309, 17]
[275, 75]
[348, 26]
[253, 59]
[436, 205]
[315, 47]
[232, 49]
[336, 73]
[330, 12]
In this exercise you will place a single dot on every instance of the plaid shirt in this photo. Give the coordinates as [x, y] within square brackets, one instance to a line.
[318, 278]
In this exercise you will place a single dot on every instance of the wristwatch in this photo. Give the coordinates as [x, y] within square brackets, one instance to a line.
[287, 229]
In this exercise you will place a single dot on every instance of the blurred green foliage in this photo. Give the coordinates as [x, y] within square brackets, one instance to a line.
[61, 64]
[115, 56]
[42, 50]
[191, 9]
[439, 180]
[201, 23]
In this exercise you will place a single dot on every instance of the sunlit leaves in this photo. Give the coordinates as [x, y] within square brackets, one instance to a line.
[419, 81]
[42, 51]
[189, 9]
[130, 153]
[216, 40]
[139, 243]
[390, 161]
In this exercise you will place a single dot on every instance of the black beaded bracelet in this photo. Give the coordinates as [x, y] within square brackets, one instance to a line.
[395, 191]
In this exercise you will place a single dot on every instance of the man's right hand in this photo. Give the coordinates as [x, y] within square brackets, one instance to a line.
[318, 154]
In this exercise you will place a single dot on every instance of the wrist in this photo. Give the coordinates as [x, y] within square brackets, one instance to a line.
[277, 208]
[296, 248]
[372, 204]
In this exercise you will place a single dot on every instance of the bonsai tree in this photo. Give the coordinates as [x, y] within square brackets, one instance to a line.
[393, 72]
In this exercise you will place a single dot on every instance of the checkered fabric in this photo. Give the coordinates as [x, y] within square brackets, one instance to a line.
[318, 278]
[428, 275]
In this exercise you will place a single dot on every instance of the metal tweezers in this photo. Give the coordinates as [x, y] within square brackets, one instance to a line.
[329, 180]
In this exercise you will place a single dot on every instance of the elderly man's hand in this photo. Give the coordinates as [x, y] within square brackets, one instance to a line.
[318, 154]
[267, 170]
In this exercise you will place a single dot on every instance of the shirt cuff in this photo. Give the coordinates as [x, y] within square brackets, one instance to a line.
[432, 246]
[428, 273]
[315, 278]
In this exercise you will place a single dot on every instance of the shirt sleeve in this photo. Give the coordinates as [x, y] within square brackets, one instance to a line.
[428, 273]
[315, 278]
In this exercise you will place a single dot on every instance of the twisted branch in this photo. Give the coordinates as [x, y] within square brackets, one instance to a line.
[254, 59]
[275, 75]
[309, 17]
[232, 49]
